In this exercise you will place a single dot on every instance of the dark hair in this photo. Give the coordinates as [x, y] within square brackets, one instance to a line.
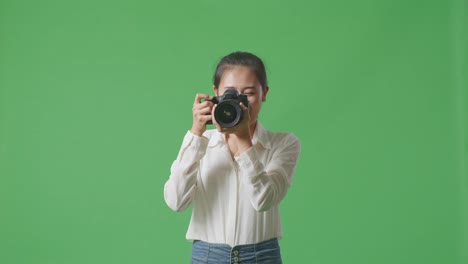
[240, 58]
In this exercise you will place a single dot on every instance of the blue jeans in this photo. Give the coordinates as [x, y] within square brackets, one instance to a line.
[266, 252]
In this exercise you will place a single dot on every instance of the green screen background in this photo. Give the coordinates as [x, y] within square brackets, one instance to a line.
[95, 97]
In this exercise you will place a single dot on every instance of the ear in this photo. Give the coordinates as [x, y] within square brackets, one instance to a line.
[265, 91]
[215, 90]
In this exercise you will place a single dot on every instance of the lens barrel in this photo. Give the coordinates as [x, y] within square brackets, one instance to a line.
[228, 113]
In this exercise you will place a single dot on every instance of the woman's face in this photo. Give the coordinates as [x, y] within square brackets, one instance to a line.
[245, 82]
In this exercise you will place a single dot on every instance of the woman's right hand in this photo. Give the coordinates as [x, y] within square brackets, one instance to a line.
[201, 114]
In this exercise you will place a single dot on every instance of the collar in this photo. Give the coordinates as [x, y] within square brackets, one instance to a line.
[260, 137]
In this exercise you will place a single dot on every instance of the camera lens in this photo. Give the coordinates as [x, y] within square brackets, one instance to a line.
[227, 114]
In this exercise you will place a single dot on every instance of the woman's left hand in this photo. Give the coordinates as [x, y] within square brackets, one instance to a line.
[241, 130]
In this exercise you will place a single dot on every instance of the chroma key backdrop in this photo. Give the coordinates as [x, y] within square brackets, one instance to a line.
[96, 96]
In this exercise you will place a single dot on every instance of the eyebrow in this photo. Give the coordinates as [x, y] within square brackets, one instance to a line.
[245, 88]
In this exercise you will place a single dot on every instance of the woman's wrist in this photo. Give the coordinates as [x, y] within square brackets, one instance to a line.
[243, 143]
[196, 132]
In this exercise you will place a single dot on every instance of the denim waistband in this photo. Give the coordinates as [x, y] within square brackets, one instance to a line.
[267, 243]
[204, 252]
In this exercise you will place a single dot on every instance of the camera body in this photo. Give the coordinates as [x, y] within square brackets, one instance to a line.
[228, 112]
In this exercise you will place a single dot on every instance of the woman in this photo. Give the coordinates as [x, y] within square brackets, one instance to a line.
[234, 178]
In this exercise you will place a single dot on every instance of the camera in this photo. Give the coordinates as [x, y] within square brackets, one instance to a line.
[228, 112]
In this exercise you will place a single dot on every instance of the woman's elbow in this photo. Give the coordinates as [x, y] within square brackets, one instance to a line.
[262, 204]
[266, 200]
[175, 204]
[174, 201]
[262, 208]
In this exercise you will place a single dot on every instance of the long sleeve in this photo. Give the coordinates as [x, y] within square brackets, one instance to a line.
[267, 184]
[180, 187]
[236, 201]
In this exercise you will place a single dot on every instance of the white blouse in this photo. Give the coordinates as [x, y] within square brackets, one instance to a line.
[235, 200]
